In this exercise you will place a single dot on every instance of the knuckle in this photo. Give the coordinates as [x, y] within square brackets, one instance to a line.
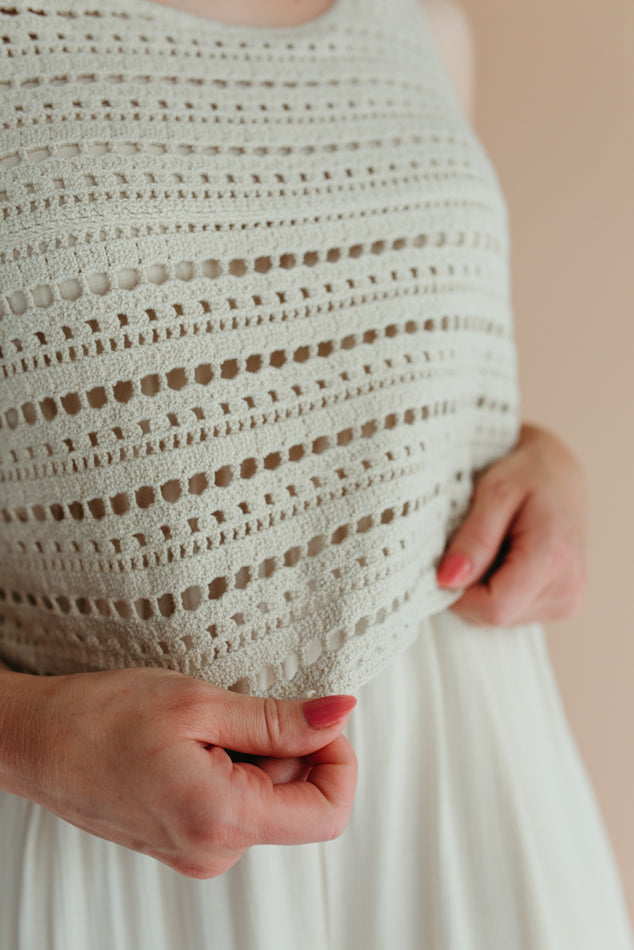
[578, 601]
[565, 565]
[481, 538]
[338, 824]
[272, 722]
[500, 613]
[581, 584]
[200, 870]
[200, 833]
[495, 490]
[201, 825]
[575, 591]
[556, 549]
[207, 844]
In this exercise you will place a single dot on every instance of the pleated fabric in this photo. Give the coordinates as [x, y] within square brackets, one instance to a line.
[475, 827]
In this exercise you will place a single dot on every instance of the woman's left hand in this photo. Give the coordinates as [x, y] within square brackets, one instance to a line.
[520, 552]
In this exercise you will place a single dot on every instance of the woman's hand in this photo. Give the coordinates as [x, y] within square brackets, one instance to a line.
[138, 757]
[520, 552]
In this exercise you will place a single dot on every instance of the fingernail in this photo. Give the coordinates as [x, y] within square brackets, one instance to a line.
[327, 710]
[453, 570]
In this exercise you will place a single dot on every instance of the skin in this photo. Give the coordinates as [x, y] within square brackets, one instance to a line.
[276, 13]
[527, 520]
[139, 756]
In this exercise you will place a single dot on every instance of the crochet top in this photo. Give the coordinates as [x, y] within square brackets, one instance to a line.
[255, 339]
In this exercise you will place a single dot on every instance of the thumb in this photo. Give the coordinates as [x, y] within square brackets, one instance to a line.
[274, 727]
[477, 544]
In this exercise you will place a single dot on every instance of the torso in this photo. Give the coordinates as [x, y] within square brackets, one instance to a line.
[287, 314]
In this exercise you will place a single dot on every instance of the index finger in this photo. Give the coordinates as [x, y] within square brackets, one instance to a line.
[514, 587]
[317, 809]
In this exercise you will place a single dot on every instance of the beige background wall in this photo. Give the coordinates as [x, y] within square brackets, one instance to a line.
[554, 107]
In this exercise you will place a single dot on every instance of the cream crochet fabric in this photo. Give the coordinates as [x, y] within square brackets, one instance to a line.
[256, 339]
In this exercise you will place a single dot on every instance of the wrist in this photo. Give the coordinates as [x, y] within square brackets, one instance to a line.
[23, 744]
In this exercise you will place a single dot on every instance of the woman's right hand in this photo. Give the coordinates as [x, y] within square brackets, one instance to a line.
[137, 756]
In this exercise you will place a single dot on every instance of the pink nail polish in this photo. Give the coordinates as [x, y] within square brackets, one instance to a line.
[327, 710]
[453, 570]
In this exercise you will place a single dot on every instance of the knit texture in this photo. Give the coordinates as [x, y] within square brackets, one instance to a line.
[255, 337]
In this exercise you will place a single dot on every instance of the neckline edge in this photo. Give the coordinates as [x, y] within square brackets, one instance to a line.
[321, 21]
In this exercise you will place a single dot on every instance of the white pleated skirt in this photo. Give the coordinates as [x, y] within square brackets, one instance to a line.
[474, 828]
